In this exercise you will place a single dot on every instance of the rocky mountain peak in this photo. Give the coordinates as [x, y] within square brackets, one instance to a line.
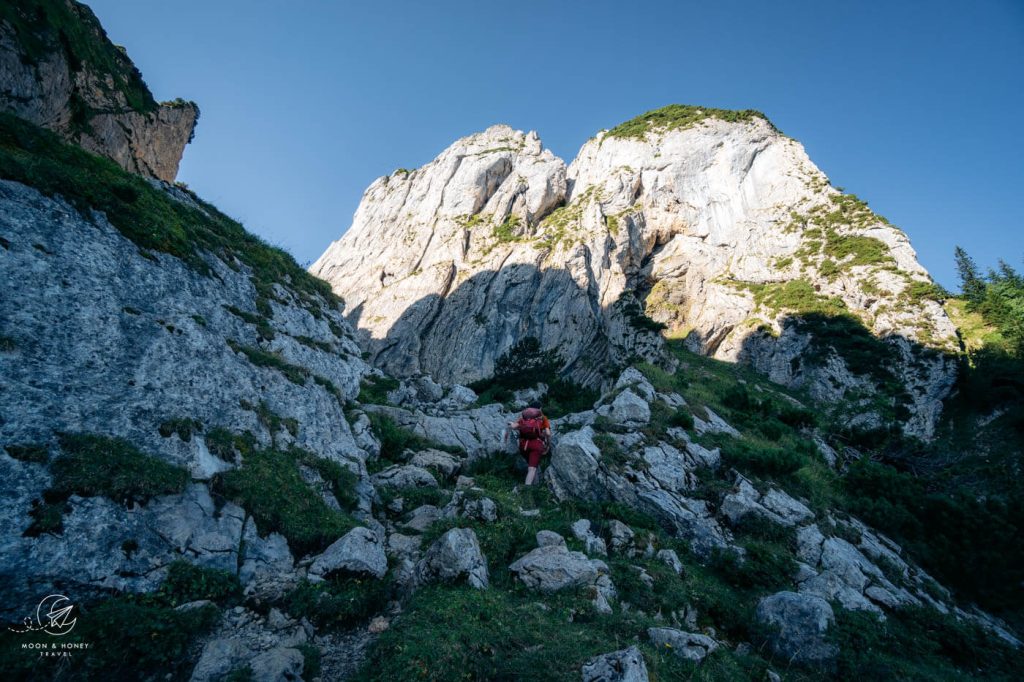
[710, 224]
[59, 70]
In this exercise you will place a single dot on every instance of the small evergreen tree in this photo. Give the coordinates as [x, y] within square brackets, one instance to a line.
[971, 283]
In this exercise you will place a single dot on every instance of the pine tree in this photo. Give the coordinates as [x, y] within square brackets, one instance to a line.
[972, 285]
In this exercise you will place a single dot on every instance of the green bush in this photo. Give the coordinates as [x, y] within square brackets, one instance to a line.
[262, 358]
[967, 543]
[918, 644]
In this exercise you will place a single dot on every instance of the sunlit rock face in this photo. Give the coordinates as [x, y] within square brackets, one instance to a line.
[722, 231]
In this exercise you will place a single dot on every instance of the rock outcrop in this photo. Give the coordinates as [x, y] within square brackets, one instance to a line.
[723, 231]
[75, 82]
[148, 349]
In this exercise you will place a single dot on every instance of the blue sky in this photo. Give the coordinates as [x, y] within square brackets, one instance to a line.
[914, 106]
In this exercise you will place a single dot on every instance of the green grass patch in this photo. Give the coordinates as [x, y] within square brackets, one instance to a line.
[30, 452]
[143, 636]
[262, 358]
[679, 117]
[269, 486]
[374, 390]
[395, 440]
[183, 426]
[340, 602]
[263, 327]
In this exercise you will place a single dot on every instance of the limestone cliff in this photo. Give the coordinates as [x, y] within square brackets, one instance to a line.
[59, 70]
[712, 225]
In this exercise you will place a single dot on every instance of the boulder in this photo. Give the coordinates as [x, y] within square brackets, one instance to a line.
[359, 551]
[626, 665]
[423, 517]
[548, 538]
[481, 509]
[404, 476]
[444, 463]
[713, 424]
[633, 379]
[455, 556]
[628, 409]
[573, 471]
[553, 568]
[688, 645]
[799, 624]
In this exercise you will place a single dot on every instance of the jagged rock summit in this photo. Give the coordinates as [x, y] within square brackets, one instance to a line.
[711, 225]
[59, 70]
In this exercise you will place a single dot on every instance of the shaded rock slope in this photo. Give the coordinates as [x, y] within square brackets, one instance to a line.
[709, 225]
[59, 70]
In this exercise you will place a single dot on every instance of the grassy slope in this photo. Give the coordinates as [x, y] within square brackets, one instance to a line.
[454, 632]
[46, 26]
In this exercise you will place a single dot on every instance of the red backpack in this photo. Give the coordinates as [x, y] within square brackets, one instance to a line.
[530, 429]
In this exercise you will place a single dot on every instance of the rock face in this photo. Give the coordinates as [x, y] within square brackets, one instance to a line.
[715, 229]
[147, 338]
[87, 90]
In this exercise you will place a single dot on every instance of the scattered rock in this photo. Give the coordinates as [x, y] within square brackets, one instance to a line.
[774, 505]
[440, 461]
[548, 538]
[622, 537]
[423, 517]
[404, 476]
[552, 568]
[592, 544]
[277, 664]
[689, 645]
[626, 665]
[628, 409]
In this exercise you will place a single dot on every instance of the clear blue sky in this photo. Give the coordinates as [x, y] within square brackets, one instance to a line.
[915, 106]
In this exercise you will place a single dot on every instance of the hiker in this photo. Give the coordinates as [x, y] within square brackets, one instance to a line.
[534, 438]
